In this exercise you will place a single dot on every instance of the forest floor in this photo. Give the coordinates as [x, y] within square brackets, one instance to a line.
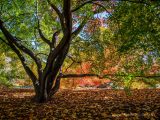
[16, 104]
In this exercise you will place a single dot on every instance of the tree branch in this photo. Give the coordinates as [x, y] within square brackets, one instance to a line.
[60, 15]
[41, 54]
[15, 41]
[91, 1]
[56, 86]
[102, 7]
[104, 76]
[66, 38]
[4, 41]
[54, 38]
[39, 29]
[80, 6]
[22, 59]
[69, 66]
[79, 29]
[42, 36]
[73, 61]
[70, 57]
[67, 15]
[65, 41]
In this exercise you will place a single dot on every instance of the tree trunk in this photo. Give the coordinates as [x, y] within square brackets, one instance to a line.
[41, 96]
[44, 92]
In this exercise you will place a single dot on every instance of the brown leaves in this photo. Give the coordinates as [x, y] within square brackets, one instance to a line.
[82, 104]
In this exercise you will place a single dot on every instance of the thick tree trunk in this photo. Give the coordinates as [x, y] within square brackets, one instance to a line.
[44, 93]
[41, 96]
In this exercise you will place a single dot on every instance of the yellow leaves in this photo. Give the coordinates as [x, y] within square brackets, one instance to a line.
[104, 114]
[74, 115]
[65, 111]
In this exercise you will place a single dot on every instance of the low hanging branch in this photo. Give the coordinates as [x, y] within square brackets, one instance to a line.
[104, 76]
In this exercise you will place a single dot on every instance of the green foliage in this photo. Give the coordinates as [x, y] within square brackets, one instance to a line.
[10, 68]
[137, 26]
[4, 80]
[127, 83]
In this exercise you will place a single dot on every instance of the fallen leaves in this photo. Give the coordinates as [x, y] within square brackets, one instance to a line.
[82, 104]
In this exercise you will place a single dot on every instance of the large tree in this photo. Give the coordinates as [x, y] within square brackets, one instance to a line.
[25, 24]
[36, 16]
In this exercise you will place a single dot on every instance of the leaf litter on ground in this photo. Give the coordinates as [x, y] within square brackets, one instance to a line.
[95, 104]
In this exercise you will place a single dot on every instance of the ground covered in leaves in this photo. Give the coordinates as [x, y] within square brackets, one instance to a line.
[82, 104]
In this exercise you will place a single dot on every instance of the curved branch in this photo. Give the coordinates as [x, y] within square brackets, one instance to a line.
[91, 1]
[39, 30]
[42, 36]
[73, 61]
[22, 59]
[102, 7]
[60, 15]
[80, 6]
[41, 54]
